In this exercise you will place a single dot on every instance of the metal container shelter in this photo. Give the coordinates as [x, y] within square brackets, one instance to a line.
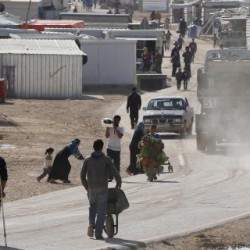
[110, 62]
[42, 69]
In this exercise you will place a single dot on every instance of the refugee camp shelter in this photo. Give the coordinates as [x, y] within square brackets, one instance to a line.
[8, 21]
[110, 63]
[26, 9]
[42, 69]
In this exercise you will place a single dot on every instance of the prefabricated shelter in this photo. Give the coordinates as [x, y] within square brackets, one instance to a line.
[46, 69]
[152, 39]
[110, 63]
[8, 21]
[99, 33]
[26, 9]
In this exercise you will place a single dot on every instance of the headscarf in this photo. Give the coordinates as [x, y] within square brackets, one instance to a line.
[140, 127]
[73, 146]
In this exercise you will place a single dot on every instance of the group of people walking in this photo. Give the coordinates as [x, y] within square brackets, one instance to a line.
[188, 57]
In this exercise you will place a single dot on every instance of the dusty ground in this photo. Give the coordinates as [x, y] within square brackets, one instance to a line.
[28, 127]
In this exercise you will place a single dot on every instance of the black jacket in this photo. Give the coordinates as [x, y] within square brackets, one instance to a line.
[134, 102]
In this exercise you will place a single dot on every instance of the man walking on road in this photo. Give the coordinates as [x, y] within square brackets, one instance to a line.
[114, 136]
[133, 106]
[175, 58]
[94, 178]
[193, 48]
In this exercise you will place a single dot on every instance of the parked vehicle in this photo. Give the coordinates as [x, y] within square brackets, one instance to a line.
[171, 114]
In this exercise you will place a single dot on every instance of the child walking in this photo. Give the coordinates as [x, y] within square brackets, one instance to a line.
[48, 163]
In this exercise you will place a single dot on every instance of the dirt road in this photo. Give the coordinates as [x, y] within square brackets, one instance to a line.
[28, 127]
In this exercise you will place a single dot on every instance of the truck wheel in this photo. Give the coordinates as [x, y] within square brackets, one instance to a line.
[211, 145]
[201, 141]
[184, 131]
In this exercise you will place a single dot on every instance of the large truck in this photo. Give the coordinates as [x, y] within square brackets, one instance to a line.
[224, 95]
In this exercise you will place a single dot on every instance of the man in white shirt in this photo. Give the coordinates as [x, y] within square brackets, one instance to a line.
[114, 135]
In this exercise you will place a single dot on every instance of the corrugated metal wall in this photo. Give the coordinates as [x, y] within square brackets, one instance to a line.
[42, 76]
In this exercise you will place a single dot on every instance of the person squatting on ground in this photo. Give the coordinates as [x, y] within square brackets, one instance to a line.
[175, 58]
[193, 48]
[114, 135]
[134, 150]
[4, 176]
[94, 178]
[47, 163]
[61, 166]
[187, 55]
[133, 106]
[178, 77]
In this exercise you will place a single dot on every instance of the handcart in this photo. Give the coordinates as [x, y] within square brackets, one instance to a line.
[117, 202]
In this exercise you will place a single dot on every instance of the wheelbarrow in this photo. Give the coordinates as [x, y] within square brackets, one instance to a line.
[117, 202]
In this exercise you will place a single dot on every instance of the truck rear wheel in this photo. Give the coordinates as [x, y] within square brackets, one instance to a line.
[201, 141]
[184, 131]
[211, 144]
[190, 129]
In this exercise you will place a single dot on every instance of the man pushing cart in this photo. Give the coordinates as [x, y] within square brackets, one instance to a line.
[103, 201]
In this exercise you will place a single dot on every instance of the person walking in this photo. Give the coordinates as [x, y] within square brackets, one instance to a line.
[180, 42]
[164, 40]
[178, 77]
[168, 39]
[133, 106]
[61, 166]
[183, 27]
[134, 149]
[187, 55]
[175, 58]
[94, 178]
[114, 135]
[185, 78]
[3, 176]
[47, 164]
[193, 48]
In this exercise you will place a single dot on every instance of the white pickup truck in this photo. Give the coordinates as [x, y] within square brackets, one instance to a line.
[171, 114]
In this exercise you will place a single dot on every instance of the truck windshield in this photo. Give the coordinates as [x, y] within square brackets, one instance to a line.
[166, 104]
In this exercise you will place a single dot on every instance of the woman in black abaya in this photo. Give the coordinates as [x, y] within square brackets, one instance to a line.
[61, 166]
[134, 150]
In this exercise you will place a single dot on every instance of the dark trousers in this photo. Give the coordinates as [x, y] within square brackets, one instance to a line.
[132, 167]
[115, 157]
[188, 68]
[174, 68]
[133, 118]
